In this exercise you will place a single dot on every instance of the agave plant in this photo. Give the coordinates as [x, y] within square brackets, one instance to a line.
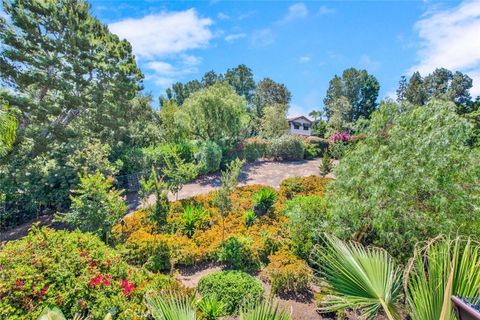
[263, 200]
[173, 307]
[264, 311]
[442, 268]
[365, 279]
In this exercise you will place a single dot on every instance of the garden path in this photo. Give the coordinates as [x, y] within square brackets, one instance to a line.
[270, 173]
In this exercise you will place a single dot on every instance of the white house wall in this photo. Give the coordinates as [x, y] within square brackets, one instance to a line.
[301, 131]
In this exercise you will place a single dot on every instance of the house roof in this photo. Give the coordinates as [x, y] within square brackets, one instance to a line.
[300, 117]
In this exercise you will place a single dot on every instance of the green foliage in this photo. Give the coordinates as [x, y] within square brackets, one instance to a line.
[235, 287]
[442, 269]
[307, 220]
[340, 119]
[216, 114]
[8, 129]
[273, 123]
[254, 149]
[96, 205]
[236, 253]
[178, 172]
[412, 178]
[170, 308]
[194, 218]
[249, 217]
[57, 314]
[326, 165]
[209, 157]
[365, 279]
[155, 184]
[264, 311]
[211, 308]
[338, 149]
[172, 122]
[357, 89]
[312, 151]
[287, 147]
[270, 93]
[263, 200]
[73, 270]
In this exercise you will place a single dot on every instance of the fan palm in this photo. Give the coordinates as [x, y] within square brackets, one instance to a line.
[442, 268]
[57, 314]
[264, 311]
[361, 278]
[172, 307]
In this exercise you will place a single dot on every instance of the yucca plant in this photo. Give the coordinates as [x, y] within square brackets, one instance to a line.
[194, 217]
[249, 217]
[173, 307]
[211, 308]
[264, 311]
[365, 279]
[439, 270]
[263, 200]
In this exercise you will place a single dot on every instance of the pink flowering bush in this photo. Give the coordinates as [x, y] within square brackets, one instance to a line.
[343, 137]
[71, 270]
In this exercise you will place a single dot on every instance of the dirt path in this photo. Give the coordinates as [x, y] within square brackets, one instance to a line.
[302, 308]
[264, 172]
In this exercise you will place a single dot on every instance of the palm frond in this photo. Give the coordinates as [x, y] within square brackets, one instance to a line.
[172, 307]
[360, 278]
[442, 268]
[264, 311]
[51, 314]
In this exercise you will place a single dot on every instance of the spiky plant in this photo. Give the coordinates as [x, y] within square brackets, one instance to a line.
[439, 270]
[264, 311]
[172, 307]
[57, 314]
[211, 308]
[364, 279]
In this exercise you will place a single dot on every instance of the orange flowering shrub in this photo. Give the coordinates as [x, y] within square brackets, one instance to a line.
[138, 220]
[306, 186]
[287, 273]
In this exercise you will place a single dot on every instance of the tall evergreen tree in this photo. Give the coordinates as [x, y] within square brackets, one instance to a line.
[415, 92]
[241, 79]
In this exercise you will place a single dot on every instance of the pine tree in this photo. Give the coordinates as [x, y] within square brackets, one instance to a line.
[326, 164]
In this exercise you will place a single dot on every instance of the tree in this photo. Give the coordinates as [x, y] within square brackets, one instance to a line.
[155, 184]
[178, 172]
[96, 205]
[326, 164]
[217, 114]
[68, 65]
[229, 181]
[270, 93]
[210, 78]
[8, 130]
[172, 123]
[415, 92]
[415, 177]
[402, 89]
[359, 88]
[241, 79]
[340, 120]
[274, 122]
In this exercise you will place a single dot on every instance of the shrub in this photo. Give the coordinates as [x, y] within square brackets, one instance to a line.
[194, 217]
[149, 250]
[287, 273]
[264, 200]
[211, 308]
[307, 220]
[339, 149]
[236, 253]
[312, 151]
[209, 157]
[74, 271]
[254, 149]
[96, 206]
[287, 147]
[236, 288]
[291, 187]
[249, 217]
[414, 177]
[326, 165]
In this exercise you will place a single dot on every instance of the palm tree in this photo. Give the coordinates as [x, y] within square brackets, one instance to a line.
[361, 278]
[264, 311]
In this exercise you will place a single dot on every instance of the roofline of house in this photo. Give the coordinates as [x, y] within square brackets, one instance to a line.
[300, 117]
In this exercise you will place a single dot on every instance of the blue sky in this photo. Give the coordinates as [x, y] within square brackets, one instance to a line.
[301, 44]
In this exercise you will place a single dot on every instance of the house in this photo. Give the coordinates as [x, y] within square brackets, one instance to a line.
[300, 125]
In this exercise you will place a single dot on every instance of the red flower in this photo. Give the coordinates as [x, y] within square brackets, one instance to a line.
[92, 264]
[84, 254]
[127, 286]
[19, 283]
[100, 280]
[44, 290]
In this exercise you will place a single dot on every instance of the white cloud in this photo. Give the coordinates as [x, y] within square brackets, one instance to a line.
[295, 11]
[324, 10]
[262, 37]
[161, 41]
[451, 38]
[305, 59]
[223, 16]
[235, 36]
[165, 33]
